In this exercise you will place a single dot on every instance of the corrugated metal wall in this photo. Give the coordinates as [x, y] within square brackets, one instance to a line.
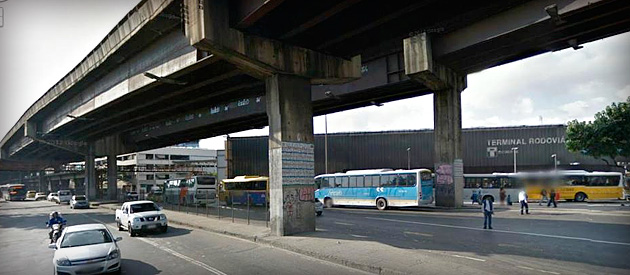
[486, 150]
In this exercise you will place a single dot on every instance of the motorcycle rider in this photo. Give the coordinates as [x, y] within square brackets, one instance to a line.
[54, 218]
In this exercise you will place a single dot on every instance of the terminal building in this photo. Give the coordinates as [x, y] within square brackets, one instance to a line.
[485, 150]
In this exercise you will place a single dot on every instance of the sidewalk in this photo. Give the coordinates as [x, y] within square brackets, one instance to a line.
[364, 254]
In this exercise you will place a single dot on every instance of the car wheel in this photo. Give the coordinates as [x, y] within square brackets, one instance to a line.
[164, 229]
[132, 232]
[319, 213]
[119, 226]
[580, 197]
[381, 204]
[328, 202]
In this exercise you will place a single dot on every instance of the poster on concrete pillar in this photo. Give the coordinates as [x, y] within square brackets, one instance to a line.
[298, 163]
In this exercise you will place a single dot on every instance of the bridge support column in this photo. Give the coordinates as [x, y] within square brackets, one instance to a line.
[112, 176]
[291, 158]
[42, 182]
[447, 86]
[90, 173]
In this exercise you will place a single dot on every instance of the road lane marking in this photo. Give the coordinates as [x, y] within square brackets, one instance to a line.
[418, 233]
[168, 250]
[344, 223]
[469, 258]
[539, 270]
[502, 231]
[358, 236]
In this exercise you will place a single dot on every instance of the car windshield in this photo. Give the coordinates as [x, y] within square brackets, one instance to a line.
[87, 237]
[143, 207]
[79, 198]
[64, 193]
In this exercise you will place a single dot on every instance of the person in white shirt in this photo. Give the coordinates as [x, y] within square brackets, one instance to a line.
[522, 199]
[488, 210]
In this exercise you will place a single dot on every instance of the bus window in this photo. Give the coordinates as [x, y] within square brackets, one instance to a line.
[375, 180]
[341, 182]
[318, 183]
[368, 181]
[326, 182]
[353, 181]
[410, 179]
[384, 180]
[359, 181]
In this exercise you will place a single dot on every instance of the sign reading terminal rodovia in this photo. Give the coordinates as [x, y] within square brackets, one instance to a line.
[493, 150]
[525, 141]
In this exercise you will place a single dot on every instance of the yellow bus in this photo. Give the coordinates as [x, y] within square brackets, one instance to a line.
[241, 188]
[575, 185]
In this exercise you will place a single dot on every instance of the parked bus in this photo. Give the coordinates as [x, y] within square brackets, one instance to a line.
[570, 185]
[236, 190]
[382, 188]
[194, 190]
[13, 192]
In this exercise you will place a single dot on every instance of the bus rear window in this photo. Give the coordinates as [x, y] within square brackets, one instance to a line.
[206, 181]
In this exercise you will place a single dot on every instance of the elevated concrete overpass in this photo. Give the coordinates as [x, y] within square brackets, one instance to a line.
[178, 70]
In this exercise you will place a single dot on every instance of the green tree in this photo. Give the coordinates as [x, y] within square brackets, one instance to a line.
[606, 136]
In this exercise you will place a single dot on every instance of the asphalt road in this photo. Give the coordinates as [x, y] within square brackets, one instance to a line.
[24, 239]
[573, 238]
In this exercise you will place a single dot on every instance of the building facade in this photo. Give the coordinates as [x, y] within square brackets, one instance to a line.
[146, 169]
[485, 150]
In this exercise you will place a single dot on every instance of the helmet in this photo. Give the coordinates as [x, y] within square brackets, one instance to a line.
[54, 214]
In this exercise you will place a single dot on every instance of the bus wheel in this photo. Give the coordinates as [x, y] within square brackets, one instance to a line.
[328, 203]
[381, 204]
[580, 197]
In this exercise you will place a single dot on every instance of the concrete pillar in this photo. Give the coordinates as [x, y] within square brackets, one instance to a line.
[291, 157]
[112, 176]
[447, 86]
[90, 173]
[42, 182]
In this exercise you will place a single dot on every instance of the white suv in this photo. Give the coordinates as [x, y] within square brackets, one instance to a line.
[138, 216]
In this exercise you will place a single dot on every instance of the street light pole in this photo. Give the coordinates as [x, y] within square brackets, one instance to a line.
[409, 158]
[326, 144]
[515, 150]
[555, 162]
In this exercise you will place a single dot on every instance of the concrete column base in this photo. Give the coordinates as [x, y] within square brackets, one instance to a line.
[291, 155]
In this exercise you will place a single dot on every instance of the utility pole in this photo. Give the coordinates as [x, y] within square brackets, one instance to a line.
[555, 162]
[515, 150]
[409, 158]
[326, 144]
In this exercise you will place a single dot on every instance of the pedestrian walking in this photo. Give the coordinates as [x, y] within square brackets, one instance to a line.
[552, 198]
[522, 199]
[488, 210]
[543, 196]
[479, 194]
[502, 195]
[473, 198]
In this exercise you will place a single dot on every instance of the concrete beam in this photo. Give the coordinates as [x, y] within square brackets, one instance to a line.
[419, 65]
[291, 155]
[511, 20]
[208, 28]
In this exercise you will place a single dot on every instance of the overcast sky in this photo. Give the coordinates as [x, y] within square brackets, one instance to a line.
[42, 40]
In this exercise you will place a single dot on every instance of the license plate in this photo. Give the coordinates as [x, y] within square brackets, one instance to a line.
[151, 226]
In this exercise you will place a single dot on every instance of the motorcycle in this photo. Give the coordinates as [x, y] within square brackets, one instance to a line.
[56, 228]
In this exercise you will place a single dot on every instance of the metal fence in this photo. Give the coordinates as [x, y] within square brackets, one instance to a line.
[237, 206]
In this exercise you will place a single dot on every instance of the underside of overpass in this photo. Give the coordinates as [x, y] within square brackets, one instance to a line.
[178, 70]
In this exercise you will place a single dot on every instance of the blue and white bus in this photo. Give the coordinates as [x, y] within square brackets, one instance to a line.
[382, 188]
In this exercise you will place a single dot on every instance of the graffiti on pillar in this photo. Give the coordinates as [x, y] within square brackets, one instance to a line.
[307, 193]
[297, 204]
[444, 181]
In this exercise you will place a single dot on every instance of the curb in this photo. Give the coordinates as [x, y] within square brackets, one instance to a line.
[272, 243]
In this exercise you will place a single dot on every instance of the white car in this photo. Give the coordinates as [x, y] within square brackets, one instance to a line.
[138, 216]
[79, 201]
[86, 249]
[52, 197]
[64, 196]
[40, 196]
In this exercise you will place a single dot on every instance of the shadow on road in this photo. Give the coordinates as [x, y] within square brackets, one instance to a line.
[138, 267]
